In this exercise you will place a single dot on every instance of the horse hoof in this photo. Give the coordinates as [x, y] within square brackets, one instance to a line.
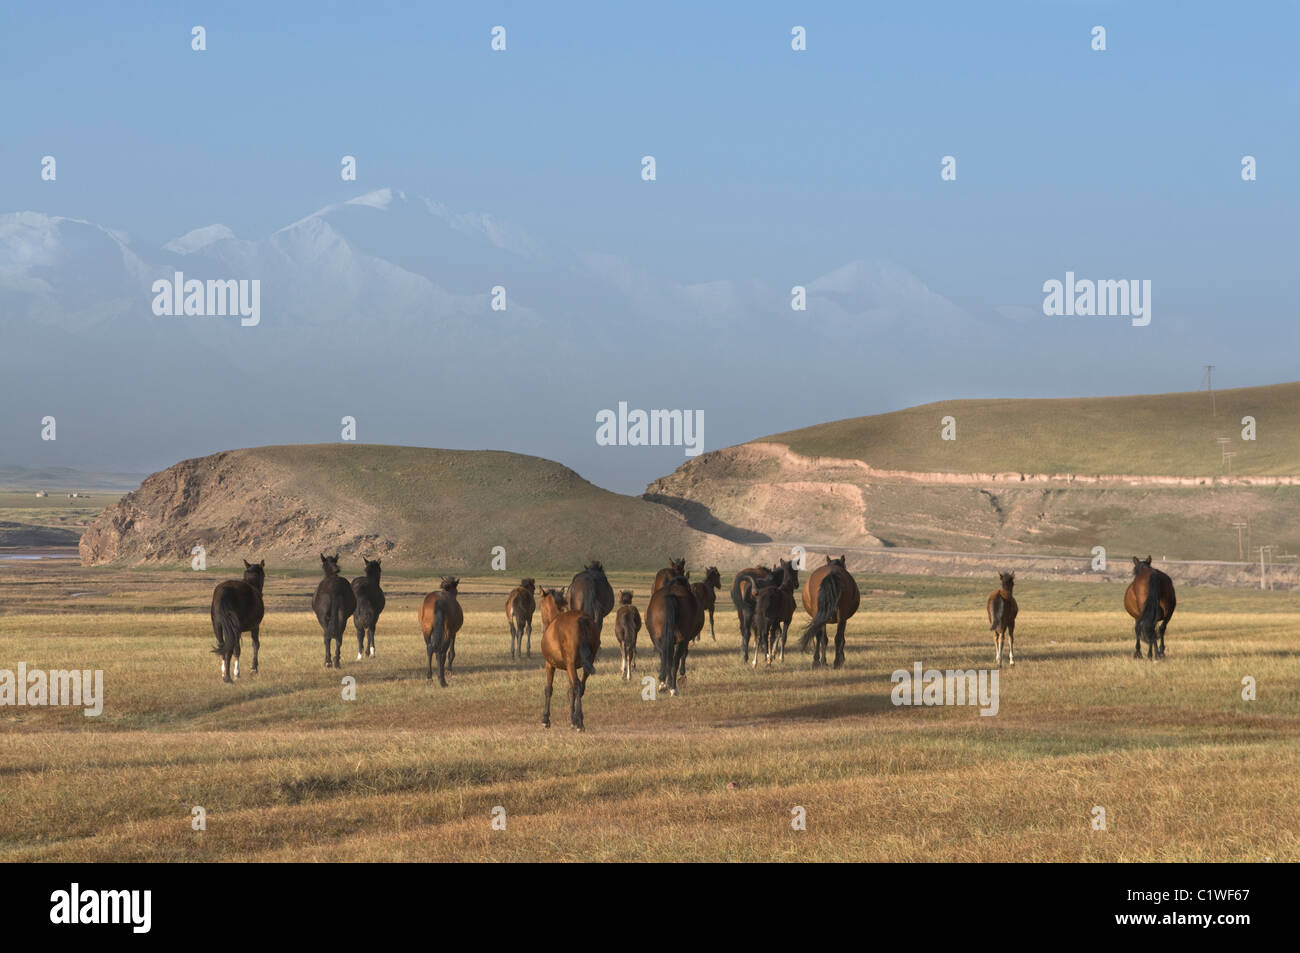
[359, 656]
[372, 651]
[546, 724]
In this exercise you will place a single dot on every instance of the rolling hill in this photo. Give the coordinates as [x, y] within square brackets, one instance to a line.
[1132, 474]
[426, 509]
[1157, 434]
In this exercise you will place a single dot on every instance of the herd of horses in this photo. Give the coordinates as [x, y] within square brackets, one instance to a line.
[573, 617]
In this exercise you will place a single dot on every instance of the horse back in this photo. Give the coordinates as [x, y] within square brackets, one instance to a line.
[243, 598]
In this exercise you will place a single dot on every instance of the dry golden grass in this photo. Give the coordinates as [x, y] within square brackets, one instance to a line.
[288, 770]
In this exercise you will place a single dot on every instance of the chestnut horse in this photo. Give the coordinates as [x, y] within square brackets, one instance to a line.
[333, 603]
[570, 642]
[675, 567]
[519, 613]
[370, 602]
[440, 619]
[551, 604]
[1149, 599]
[773, 610]
[626, 626]
[1002, 610]
[831, 595]
[237, 607]
[590, 592]
[673, 618]
[706, 596]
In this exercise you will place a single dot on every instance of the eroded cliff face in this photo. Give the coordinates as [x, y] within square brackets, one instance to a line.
[764, 492]
[232, 504]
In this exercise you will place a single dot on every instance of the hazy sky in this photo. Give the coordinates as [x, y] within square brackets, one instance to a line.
[774, 168]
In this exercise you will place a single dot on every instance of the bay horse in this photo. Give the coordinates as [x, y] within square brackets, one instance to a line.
[675, 567]
[551, 604]
[831, 595]
[773, 611]
[706, 596]
[590, 592]
[1002, 609]
[440, 619]
[333, 603]
[1150, 600]
[237, 607]
[370, 602]
[673, 618]
[520, 606]
[627, 623]
[571, 642]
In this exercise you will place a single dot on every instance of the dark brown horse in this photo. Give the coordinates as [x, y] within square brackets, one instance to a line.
[571, 643]
[440, 619]
[744, 591]
[370, 602]
[333, 603]
[1002, 610]
[520, 606]
[706, 595]
[237, 607]
[831, 595]
[673, 618]
[626, 626]
[675, 567]
[1150, 600]
[590, 592]
[773, 612]
[551, 604]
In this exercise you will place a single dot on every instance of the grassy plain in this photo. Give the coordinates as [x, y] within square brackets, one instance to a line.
[286, 769]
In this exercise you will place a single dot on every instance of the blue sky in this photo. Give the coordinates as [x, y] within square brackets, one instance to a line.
[771, 164]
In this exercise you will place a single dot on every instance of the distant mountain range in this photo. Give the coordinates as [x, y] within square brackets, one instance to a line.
[380, 308]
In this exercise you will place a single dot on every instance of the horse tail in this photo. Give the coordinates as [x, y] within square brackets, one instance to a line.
[828, 601]
[225, 623]
[998, 605]
[667, 641]
[1151, 611]
[586, 629]
[589, 601]
[439, 624]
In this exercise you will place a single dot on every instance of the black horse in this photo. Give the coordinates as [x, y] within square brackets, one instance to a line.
[590, 592]
[370, 602]
[237, 607]
[333, 604]
[773, 612]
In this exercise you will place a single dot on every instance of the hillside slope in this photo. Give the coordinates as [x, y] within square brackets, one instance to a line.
[1158, 434]
[1133, 474]
[419, 508]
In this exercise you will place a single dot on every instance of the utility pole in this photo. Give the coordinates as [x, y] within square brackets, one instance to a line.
[1263, 566]
[1223, 446]
[1241, 551]
[1228, 455]
[1209, 384]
